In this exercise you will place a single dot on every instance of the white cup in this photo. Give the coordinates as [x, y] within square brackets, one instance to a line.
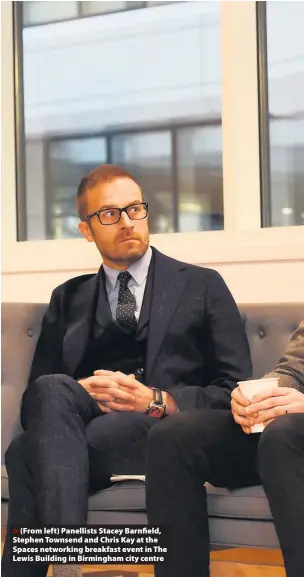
[253, 387]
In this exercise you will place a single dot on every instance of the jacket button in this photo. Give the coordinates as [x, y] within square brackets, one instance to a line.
[140, 371]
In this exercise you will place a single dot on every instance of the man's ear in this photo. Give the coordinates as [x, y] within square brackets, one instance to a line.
[85, 230]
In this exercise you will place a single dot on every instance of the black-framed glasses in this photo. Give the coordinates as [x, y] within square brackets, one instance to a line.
[108, 216]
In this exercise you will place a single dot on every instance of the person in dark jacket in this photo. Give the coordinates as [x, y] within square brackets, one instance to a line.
[212, 446]
[120, 351]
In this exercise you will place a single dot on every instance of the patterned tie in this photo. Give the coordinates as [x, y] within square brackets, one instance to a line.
[126, 306]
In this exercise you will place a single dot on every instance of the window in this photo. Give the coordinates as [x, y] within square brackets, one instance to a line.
[36, 13]
[44, 12]
[103, 7]
[149, 157]
[68, 161]
[141, 92]
[156, 3]
[199, 162]
[283, 121]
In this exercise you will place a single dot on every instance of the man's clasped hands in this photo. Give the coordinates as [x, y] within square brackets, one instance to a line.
[115, 391]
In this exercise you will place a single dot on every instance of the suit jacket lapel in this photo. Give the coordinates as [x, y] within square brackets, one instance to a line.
[146, 304]
[169, 281]
[103, 313]
[81, 315]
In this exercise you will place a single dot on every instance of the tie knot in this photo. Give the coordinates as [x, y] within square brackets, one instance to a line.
[124, 278]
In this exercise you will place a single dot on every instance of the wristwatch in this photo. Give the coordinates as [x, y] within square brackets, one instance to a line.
[156, 408]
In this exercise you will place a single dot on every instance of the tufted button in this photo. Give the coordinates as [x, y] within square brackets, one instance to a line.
[30, 333]
[262, 333]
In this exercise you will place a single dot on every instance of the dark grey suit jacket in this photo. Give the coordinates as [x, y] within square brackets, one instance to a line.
[197, 347]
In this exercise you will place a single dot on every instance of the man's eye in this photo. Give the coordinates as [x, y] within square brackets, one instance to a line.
[134, 208]
[109, 213]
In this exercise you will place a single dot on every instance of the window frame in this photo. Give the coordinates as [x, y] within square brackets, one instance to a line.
[243, 239]
[265, 169]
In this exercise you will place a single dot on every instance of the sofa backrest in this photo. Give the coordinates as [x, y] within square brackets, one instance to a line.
[20, 329]
[268, 328]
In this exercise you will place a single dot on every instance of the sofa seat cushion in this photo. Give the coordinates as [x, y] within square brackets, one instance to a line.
[122, 496]
[248, 503]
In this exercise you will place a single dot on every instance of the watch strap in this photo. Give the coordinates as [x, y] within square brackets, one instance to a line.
[156, 407]
[158, 396]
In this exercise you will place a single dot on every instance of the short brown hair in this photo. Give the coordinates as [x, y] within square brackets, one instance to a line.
[101, 175]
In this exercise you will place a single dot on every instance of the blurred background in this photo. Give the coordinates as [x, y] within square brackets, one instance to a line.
[140, 84]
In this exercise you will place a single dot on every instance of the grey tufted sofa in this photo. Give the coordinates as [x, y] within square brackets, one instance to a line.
[236, 518]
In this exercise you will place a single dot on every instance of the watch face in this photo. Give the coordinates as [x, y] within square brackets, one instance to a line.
[157, 411]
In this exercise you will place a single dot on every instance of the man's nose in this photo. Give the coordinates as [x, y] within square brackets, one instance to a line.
[125, 221]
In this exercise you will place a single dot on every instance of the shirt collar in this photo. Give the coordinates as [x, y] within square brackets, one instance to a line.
[138, 270]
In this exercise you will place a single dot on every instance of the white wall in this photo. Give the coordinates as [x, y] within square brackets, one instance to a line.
[257, 267]
[274, 282]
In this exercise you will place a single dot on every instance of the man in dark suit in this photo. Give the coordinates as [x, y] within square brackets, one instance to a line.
[206, 446]
[119, 351]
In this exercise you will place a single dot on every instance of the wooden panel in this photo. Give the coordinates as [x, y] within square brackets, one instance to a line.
[223, 569]
[250, 556]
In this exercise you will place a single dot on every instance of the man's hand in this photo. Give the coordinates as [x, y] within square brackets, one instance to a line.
[274, 403]
[142, 394]
[239, 405]
[108, 390]
[125, 385]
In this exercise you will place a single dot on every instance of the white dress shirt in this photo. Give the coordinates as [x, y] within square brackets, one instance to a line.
[136, 284]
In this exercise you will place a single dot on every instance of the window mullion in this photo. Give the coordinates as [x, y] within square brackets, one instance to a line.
[241, 164]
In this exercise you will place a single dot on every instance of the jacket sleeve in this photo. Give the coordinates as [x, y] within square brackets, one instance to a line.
[227, 352]
[48, 354]
[290, 368]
